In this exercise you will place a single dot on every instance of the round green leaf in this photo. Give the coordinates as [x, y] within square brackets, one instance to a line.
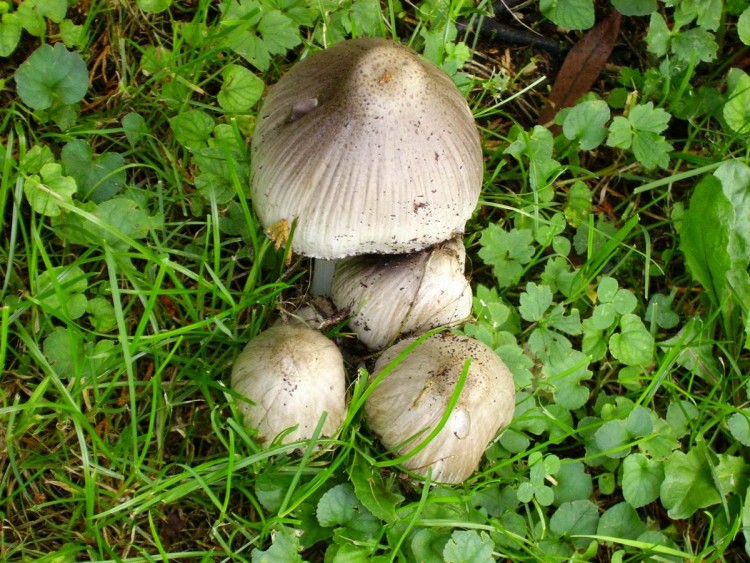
[688, 484]
[576, 517]
[468, 546]
[573, 483]
[739, 427]
[10, 34]
[611, 438]
[743, 26]
[192, 128]
[153, 6]
[641, 479]
[633, 345]
[51, 73]
[621, 521]
[240, 90]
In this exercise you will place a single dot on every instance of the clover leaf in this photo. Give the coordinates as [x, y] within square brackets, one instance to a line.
[50, 74]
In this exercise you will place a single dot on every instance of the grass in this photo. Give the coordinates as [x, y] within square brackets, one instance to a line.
[119, 436]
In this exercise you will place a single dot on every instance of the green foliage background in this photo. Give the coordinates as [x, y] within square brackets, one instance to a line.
[609, 258]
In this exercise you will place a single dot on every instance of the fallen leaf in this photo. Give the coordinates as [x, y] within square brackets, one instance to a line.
[582, 66]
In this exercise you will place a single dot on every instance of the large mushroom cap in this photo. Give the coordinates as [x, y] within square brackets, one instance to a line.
[410, 402]
[370, 148]
[291, 375]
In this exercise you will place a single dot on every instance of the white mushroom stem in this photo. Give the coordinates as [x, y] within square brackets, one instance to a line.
[403, 294]
[322, 277]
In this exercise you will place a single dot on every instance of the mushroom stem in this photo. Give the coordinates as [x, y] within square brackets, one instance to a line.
[322, 277]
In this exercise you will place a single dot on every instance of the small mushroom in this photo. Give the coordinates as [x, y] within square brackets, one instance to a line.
[408, 404]
[403, 294]
[290, 375]
[369, 148]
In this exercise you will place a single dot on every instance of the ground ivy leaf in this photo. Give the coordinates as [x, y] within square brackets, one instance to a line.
[285, 547]
[49, 73]
[633, 345]
[731, 474]
[611, 437]
[10, 34]
[739, 426]
[639, 422]
[564, 376]
[743, 29]
[61, 289]
[31, 19]
[63, 352]
[578, 517]
[641, 479]
[585, 123]
[688, 484]
[45, 193]
[54, 10]
[573, 483]
[240, 89]
[594, 343]
[99, 178]
[428, 544]
[153, 6]
[468, 546]
[679, 415]
[102, 314]
[192, 128]
[570, 14]
[621, 521]
[134, 127]
[73, 35]
[373, 491]
[506, 252]
[635, 7]
[339, 506]
[661, 442]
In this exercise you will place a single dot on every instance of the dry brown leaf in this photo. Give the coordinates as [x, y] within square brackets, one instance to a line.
[582, 66]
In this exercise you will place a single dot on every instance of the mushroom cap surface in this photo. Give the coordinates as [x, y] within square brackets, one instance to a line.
[413, 397]
[403, 294]
[370, 148]
[292, 374]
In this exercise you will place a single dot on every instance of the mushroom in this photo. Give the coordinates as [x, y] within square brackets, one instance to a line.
[290, 375]
[403, 294]
[408, 404]
[369, 149]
